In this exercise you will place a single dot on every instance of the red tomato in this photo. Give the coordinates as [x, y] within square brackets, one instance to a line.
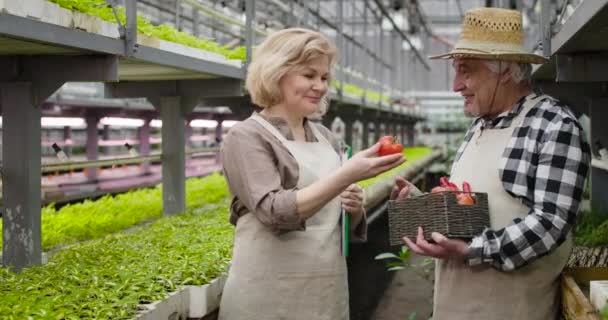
[389, 145]
[465, 199]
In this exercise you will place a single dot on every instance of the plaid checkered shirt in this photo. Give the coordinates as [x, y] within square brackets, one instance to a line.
[545, 164]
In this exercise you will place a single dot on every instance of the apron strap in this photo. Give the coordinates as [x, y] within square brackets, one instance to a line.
[528, 105]
[269, 127]
[320, 137]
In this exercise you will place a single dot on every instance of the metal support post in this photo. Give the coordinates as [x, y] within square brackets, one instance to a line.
[105, 136]
[393, 70]
[195, 22]
[173, 156]
[131, 28]
[219, 135]
[20, 175]
[178, 13]
[249, 30]
[411, 134]
[92, 143]
[348, 130]
[340, 41]
[365, 134]
[380, 67]
[368, 67]
[318, 13]
[144, 144]
[545, 27]
[67, 136]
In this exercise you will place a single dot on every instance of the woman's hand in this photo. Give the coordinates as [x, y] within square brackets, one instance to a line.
[366, 164]
[352, 202]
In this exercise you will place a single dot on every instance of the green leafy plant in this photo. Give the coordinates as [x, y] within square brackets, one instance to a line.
[100, 8]
[110, 278]
[401, 261]
[592, 229]
[357, 91]
[94, 219]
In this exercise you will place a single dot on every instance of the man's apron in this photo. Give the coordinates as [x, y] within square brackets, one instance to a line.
[299, 274]
[481, 292]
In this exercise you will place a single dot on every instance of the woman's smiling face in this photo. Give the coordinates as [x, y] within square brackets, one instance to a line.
[304, 87]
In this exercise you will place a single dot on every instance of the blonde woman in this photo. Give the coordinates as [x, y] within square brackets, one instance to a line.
[289, 185]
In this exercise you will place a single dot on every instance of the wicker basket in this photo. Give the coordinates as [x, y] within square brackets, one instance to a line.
[437, 212]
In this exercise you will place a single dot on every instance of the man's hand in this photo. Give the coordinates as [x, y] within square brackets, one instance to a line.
[402, 189]
[445, 248]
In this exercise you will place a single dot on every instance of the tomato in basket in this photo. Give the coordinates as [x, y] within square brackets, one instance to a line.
[465, 198]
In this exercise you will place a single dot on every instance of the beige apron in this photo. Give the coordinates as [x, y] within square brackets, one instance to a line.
[481, 292]
[299, 274]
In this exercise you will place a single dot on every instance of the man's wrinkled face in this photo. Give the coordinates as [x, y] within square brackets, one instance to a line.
[476, 83]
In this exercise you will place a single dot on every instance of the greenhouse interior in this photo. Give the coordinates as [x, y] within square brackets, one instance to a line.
[293, 159]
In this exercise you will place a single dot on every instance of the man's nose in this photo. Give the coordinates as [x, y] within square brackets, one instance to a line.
[458, 84]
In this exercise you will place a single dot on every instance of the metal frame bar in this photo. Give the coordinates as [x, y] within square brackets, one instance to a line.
[581, 16]
[28, 29]
[75, 165]
[400, 32]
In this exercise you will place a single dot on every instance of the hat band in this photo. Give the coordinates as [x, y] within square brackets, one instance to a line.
[488, 47]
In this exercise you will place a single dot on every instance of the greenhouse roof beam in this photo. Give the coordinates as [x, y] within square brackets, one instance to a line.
[348, 37]
[402, 34]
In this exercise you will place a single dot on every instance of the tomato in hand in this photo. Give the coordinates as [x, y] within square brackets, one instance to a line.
[389, 145]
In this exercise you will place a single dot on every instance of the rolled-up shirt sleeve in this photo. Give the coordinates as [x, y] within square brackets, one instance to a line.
[253, 175]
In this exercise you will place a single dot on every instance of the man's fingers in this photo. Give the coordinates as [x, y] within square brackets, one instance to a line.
[394, 193]
[440, 239]
[412, 246]
[400, 182]
[420, 236]
[404, 193]
[451, 246]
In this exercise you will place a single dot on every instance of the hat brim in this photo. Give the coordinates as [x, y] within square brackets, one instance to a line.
[504, 56]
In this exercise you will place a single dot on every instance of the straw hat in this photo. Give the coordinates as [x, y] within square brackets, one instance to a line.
[493, 34]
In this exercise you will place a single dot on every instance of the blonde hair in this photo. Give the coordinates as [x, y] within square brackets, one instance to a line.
[284, 51]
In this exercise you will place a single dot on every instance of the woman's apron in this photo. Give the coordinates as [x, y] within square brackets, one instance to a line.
[296, 275]
[482, 292]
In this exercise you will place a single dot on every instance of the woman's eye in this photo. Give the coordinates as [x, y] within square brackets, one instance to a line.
[309, 76]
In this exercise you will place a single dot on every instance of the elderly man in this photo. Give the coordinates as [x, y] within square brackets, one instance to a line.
[528, 152]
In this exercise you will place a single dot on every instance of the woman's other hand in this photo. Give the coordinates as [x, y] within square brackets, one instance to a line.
[352, 202]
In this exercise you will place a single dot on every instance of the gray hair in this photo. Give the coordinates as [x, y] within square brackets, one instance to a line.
[519, 71]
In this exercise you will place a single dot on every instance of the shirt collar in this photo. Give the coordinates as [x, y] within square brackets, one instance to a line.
[504, 119]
